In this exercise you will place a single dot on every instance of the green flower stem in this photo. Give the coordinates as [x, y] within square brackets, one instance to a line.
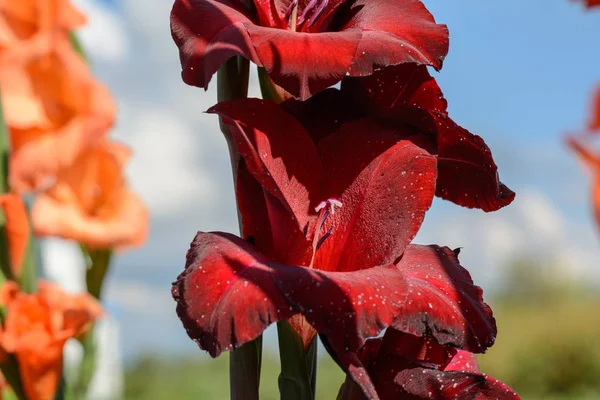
[28, 278]
[5, 269]
[87, 366]
[98, 263]
[245, 361]
[4, 150]
[268, 91]
[10, 370]
[61, 392]
[298, 377]
[297, 380]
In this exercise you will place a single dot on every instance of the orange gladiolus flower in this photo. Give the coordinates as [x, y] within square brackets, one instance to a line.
[595, 118]
[591, 162]
[91, 203]
[36, 328]
[17, 229]
[32, 27]
[54, 109]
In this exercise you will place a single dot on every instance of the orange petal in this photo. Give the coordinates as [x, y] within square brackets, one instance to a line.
[588, 158]
[128, 227]
[56, 109]
[36, 328]
[25, 21]
[17, 229]
[90, 202]
[41, 372]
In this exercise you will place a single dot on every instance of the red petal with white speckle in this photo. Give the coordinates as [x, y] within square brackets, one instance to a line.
[226, 296]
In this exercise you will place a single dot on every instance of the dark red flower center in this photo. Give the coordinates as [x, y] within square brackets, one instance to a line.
[307, 18]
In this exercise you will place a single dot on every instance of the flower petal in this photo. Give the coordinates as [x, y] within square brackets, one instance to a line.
[455, 313]
[267, 224]
[427, 292]
[304, 63]
[394, 32]
[463, 361]
[324, 113]
[208, 33]
[226, 296]
[278, 152]
[386, 184]
[424, 383]
[467, 173]
[421, 348]
[16, 229]
[410, 367]
[394, 87]
[585, 155]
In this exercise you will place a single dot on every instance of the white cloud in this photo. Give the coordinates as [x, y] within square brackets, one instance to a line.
[540, 217]
[165, 166]
[533, 226]
[104, 35]
[140, 298]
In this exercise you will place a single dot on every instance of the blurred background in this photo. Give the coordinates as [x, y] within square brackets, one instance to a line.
[519, 73]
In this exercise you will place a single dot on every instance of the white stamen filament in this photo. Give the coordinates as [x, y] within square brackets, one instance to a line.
[323, 208]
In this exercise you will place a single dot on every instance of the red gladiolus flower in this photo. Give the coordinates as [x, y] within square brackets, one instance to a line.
[331, 221]
[590, 3]
[305, 45]
[407, 367]
[408, 98]
[590, 160]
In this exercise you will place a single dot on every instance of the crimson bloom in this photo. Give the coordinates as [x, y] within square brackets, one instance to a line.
[407, 367]
[590, 3]
[405, 97]
[305, 45]
[328, 213]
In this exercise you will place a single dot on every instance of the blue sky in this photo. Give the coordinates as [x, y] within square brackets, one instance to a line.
[519, 73]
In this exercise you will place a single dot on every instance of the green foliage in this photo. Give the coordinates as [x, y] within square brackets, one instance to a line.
[153, 378]
[548, 329]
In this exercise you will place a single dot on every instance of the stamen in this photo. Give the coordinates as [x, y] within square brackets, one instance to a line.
[291, 15]
[310, 7]
[320, 206]
[333, 203]
[323, 208]
[324, 237]
[307, 8]
[317, 13]
[289, 10]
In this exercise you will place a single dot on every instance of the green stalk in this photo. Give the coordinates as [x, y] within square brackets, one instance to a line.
[28, 278]
[98, 263]
[86, 367]
[298, 377]
[4, 151]
[245, 361]
[268, 91]
[297, 380]
[10, 370]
